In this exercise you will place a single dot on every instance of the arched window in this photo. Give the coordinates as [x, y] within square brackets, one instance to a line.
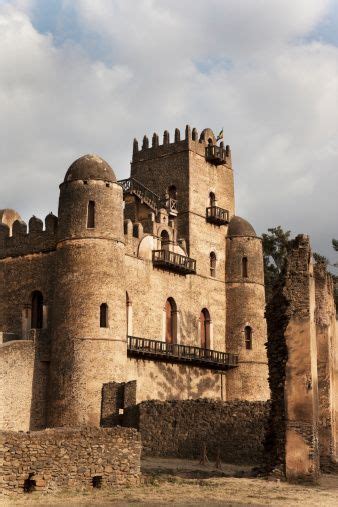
[170, 321]
[165, 240]
[248, 337]
[205, 328]
[212, 199]
[210, 141]
[129, 310]
[37, 310]
[245, 267]
[104, 315]
[172, 191]
[212, 264]
[91, 215]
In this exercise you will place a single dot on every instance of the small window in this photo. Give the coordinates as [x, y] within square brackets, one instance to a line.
[212, 199]
[245, 267]
[91, 215]
[165, 240]
[248, 337]
[104, 315]
[172, 191]
[37, 310]
[212, 264]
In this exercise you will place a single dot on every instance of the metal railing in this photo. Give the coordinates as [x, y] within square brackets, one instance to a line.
[217, 215]
[154, 201]
[132, 186]
[155, 349]
[174, 261]
[215, 154]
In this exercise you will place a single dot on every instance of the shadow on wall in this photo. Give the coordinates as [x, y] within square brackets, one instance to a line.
[38, 412]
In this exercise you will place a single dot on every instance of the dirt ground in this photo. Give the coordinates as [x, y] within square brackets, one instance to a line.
[184, 482]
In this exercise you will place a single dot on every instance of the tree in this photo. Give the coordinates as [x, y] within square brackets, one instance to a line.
[320, 259]
[275, 247]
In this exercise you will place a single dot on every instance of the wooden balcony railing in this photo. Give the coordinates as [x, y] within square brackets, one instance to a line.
[172, 261]
[216, 215]
[170, 352]
[215, 154]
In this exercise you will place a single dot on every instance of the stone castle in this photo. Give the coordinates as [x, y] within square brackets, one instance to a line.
[151, 283]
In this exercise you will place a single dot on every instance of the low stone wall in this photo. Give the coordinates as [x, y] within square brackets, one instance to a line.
[234, 429]
[65, 458]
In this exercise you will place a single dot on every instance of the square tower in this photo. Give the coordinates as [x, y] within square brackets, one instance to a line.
[197, 173]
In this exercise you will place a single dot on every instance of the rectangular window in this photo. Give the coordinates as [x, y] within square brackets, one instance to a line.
[91, 215]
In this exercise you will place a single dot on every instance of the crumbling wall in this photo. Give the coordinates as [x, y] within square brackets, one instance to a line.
[116, 396]
[292, 439]
[181, 428]
[69, 458]
[325, 315]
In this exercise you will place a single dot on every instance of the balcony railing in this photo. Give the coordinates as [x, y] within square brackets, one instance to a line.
[172, 261]
[134, 187]
[216, 215]
[172, 352]
[215, 154]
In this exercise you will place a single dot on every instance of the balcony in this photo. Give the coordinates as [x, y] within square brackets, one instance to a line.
[215, 154]
[172, 261]
[174, 353]
[216, 215]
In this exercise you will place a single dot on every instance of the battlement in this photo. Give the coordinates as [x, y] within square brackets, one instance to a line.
[191, 141]
[37, 239]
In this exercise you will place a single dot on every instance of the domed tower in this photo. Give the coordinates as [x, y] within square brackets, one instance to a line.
[88, 318]
[245, 306]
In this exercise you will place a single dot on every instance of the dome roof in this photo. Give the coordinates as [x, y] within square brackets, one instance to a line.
[8, 216]
[240, 227]
[90, 167]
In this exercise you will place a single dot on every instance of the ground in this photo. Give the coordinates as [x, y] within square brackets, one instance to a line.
[183, 482]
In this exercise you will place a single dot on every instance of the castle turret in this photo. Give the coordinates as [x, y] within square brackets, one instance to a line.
[89, 328]
[245, 322]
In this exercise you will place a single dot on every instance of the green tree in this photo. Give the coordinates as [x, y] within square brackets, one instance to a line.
[275, 247]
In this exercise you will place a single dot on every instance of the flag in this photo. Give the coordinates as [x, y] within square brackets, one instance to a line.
[220, 136]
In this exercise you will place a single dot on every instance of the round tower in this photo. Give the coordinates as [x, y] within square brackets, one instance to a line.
[88, 316]
[245, 307]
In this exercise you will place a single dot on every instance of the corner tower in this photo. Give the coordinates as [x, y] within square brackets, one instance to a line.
[88, 322]
[245, 323]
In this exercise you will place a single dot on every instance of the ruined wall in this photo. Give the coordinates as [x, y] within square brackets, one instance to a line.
[292, 439]
[325, 316]
[181, 428]
[69, 459]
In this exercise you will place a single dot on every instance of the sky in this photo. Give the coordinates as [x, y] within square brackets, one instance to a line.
[84, 76]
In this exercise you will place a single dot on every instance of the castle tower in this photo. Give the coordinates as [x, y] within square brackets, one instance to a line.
[198, 173]
[88, 317]
[245, 322]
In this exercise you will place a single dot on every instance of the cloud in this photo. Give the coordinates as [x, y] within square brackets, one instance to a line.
[89, 76]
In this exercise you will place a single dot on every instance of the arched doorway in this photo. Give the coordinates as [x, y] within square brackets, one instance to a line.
[205, 329]
[37, 310]
[170, 321]
[212, 199]
[165, 240]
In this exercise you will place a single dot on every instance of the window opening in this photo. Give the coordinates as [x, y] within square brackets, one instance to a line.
[248, 337]
[205, 328]
[37, 310]
[212, 264]
[91, 215]
[104, 315]
[245, 267]
[171, 321]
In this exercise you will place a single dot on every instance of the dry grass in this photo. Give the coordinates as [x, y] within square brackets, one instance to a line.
[174, 483]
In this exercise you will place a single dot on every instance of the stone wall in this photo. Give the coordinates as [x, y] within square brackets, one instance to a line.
[181, 428]
[68, 459]
[292, 439]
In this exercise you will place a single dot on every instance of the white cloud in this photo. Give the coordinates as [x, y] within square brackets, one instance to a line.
[242, 64]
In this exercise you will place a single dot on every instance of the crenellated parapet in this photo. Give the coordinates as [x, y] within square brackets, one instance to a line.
[36, 238]
[191, 140]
